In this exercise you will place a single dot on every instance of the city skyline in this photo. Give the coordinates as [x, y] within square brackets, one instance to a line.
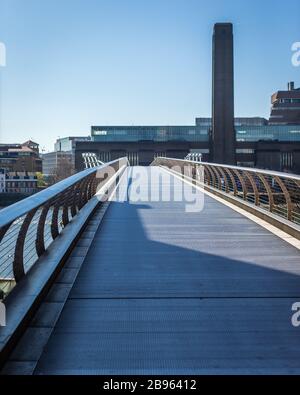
[122, 63]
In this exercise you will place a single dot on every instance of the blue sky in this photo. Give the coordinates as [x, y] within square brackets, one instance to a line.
[76, 63]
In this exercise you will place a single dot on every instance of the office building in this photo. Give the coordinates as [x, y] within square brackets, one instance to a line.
[141, 144]
[257, 144]
[286, 106]
[67, 144]
[20, 157]
[54, 161]
[18, 182]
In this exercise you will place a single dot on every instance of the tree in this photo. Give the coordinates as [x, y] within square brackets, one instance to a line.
[41, 180]
[63, 170]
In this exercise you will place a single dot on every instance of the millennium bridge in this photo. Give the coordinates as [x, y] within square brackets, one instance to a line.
[177, 268]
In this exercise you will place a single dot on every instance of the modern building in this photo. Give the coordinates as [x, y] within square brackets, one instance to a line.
[257, 144]
[67, 144]
[286, 106]
[64, 152]
[141, 144]
[14, 182]
[20, 157]
[52, 161]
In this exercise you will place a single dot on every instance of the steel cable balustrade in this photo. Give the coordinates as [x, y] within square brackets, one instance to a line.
[28, 228]
[278, 193]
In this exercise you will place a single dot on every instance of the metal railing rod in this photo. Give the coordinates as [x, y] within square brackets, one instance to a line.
[276, 192]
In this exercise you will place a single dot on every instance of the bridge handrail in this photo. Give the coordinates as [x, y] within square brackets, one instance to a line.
[16, 210]
[28, 227]
[276, 192]
[251, 169]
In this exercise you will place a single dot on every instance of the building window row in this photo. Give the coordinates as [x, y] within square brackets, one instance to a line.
[245, 151]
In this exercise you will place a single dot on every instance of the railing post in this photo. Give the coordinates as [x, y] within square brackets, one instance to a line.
[224, 178]
[219, 182]
[208, 176]
[83, 193]
[90, 185]
[18, 263]
[40, 234]
[54, 221]
[243, 184]
[287, 197]
[66, 205]
[254, 187]
[94, 185]
[213, 177]
[232, 180]
[268, 190]
[75, 192]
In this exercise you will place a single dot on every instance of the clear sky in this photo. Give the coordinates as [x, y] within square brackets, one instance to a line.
[76, 63]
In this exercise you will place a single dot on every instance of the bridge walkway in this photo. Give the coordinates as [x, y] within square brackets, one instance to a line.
[163, 290]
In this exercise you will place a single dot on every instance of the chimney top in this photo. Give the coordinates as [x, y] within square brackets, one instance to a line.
[223, 28]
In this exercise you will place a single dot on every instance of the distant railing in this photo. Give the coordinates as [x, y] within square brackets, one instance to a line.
[28, 228]
[278, 193]
[90, 160]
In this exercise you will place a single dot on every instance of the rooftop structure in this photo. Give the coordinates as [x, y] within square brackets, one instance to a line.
[286, 106]
[20, 157]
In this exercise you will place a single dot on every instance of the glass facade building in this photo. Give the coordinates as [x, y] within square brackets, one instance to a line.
[246, 131]
[68, 143]
[258, 144]
[53, 160]
[150, 133]
[268, 133]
